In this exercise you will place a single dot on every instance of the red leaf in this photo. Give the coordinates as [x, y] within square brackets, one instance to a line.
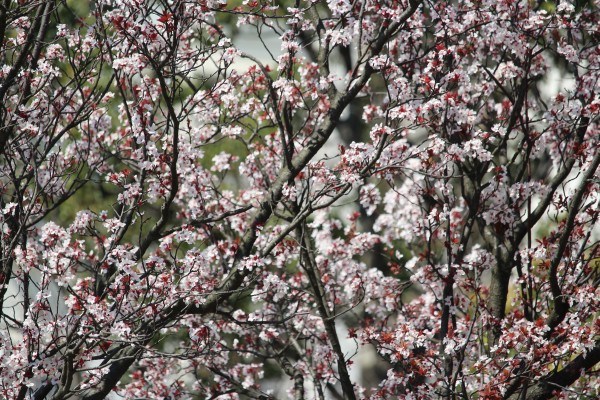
[166, 17]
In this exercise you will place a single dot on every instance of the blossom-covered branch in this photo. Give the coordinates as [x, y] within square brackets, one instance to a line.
[299, 199]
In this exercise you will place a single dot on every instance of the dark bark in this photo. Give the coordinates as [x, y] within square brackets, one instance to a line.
[558, 380]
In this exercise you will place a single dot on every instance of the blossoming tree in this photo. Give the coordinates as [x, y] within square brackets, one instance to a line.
[181, 218]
